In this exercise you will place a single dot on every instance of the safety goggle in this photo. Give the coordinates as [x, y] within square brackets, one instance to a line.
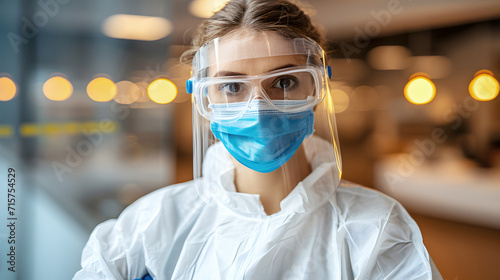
[301, 83]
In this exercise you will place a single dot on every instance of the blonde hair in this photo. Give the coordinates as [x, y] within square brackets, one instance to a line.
[281, 16]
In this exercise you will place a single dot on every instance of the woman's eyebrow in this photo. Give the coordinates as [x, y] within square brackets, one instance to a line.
[227, 73]
[231, 73]
[283, 67]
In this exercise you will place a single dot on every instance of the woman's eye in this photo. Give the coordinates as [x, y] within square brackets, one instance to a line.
[231, 88]
[285, 83]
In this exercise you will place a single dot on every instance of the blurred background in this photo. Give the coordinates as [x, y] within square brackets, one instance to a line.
[94, 114]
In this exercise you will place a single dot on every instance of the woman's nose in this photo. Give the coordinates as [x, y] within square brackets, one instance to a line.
[257, 92]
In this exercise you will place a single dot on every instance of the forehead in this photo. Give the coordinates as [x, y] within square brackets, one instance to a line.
[253, 53]
[255, 66]
[247, 45]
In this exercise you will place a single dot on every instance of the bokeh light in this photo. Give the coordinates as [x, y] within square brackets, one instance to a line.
[340, 100]
[484, 86]
[7, 89]
[127, 92]
[57, 88]
[162, 91]
[135, 27]
[206, 8]
[101, 89]
[420, 89]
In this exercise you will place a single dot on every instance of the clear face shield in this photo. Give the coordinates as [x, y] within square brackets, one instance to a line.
[259, 100]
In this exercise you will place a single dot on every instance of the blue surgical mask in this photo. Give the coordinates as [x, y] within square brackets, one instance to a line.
[263, 138]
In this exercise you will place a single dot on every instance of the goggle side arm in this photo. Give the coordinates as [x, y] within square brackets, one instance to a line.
[189, 85]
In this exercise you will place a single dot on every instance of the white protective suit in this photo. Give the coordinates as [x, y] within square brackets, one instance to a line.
[356, 233]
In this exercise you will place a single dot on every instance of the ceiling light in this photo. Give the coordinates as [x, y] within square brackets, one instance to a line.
[134, 27]
[206, 8]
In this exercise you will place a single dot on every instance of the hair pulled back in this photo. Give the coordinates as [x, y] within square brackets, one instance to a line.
[281, 16]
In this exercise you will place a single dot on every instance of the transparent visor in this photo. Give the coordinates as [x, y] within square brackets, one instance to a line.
[286, 70]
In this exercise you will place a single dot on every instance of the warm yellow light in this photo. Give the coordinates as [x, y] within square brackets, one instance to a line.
[206, 8]
[134, 27]
[484, 86]
[340, 100]
[162, 91]
[7, 89]
[101, 89]
[127, 93]
[420, 90]
[57, 88]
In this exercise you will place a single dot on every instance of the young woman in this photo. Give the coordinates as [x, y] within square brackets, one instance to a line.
[267, 201]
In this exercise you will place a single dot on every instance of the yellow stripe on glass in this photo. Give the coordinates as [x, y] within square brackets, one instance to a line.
[6, 131]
